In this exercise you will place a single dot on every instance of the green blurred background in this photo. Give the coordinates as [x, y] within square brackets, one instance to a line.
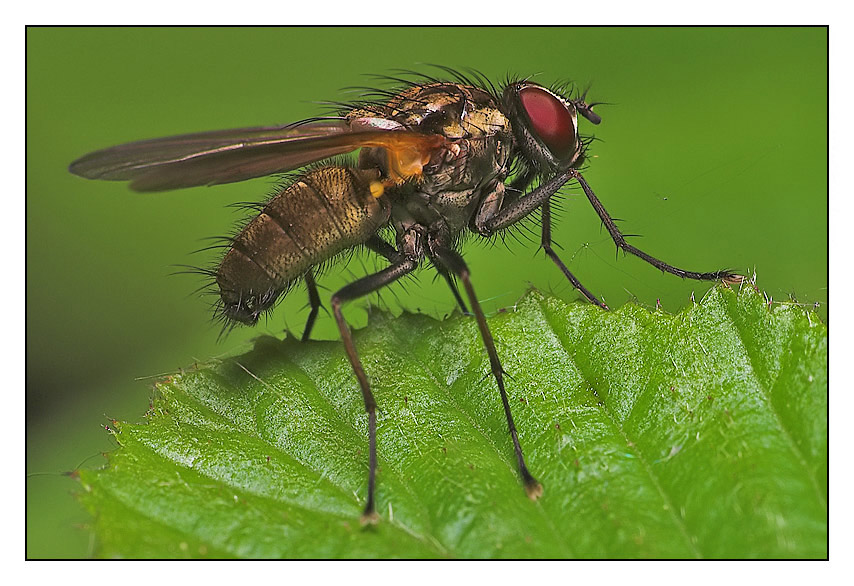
[713, 147]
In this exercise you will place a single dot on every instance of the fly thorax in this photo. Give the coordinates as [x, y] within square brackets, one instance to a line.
[456, 207]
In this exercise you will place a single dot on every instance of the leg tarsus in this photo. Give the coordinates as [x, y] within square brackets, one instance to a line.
[533, 488]
[370, 516]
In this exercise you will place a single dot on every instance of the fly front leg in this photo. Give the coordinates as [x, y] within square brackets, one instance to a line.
[490, 218]
[448, 258]
[526, 204]
[620, 241]
[405, 264]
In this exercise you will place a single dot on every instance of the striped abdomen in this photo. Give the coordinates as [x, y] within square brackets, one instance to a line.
[325, 212]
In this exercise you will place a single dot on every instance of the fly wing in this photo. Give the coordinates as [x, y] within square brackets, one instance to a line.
[225, 156]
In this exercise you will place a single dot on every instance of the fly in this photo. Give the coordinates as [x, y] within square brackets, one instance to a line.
[436, 159]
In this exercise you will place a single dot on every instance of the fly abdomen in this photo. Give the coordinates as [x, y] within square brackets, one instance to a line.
[323, 213]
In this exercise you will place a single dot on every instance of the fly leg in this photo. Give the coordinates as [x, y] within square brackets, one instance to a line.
[547, 247]
[454, 264]
[456, 292]
[620, 241]
[490, 219]
[382, 248]
[528, 203]
[364, 286]
[314, 303]
[385, 249]
[493, 221]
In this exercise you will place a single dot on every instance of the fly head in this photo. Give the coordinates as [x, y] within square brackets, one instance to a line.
[545, 125]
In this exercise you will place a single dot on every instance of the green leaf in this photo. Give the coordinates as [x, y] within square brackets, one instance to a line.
[702, 434]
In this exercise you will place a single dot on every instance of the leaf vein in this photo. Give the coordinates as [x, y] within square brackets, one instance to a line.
[630, 445]
[766, 395]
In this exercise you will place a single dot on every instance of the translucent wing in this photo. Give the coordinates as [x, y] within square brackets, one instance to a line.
[226, 156]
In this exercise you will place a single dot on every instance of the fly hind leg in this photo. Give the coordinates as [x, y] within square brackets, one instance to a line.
[364, 286]
[386, 250]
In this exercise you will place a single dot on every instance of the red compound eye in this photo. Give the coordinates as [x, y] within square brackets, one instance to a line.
[550, 120]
